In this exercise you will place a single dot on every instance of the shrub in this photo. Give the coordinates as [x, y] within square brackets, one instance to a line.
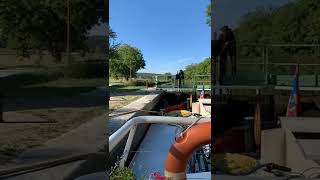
[122, 174]
[140, 83]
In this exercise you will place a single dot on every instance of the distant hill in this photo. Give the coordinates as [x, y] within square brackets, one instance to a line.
[147, 74]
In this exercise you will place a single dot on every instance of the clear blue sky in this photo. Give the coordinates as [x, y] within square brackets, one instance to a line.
[170, 33]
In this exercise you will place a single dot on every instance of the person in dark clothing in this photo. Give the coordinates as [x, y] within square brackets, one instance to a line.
[181, 74]
[178, 79]
[227, 47]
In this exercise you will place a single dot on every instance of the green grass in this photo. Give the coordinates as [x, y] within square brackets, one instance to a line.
[8, 151]
[75, 82]
[39, 92]
[41, 85]
[124, 88]
[9, 59]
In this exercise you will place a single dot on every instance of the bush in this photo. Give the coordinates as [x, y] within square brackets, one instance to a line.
[122, 174]
[140, 83]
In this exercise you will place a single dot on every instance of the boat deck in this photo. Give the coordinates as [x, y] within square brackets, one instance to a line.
[153, 150]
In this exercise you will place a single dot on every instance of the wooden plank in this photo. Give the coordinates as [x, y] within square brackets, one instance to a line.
[205, 101]
[316, 101]
[301, 124]
[289, 88]
[226, 177]
[279, 45]
[241, 87]
[304, 80]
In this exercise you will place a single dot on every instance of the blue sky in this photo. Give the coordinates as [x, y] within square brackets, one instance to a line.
[173, 33]
[170, 33]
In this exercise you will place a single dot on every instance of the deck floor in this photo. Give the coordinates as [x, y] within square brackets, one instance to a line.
[153, 150]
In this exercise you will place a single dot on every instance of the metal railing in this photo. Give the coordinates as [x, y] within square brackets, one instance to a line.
[131, 126]
[201, 80]
[274, 60]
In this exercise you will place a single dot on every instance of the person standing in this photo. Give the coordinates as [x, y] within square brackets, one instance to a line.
[181, 74]
[227, 48]
[178, 80]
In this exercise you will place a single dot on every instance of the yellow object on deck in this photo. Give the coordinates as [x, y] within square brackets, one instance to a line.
[234, 163]
[179, 113]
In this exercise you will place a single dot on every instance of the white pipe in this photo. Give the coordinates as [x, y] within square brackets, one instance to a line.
[117, 136]
[128, 146]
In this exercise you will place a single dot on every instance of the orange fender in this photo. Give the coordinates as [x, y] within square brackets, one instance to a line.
[181, 151]
[182, 106]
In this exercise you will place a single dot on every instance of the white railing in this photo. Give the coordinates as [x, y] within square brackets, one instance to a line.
[132, 125]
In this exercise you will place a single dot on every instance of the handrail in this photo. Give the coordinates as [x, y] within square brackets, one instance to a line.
[278, 64]
[117, 136]
[278, 45]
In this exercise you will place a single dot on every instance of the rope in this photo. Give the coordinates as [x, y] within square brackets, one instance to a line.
[192, 124]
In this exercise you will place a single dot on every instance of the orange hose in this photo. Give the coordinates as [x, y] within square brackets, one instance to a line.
[182, 106]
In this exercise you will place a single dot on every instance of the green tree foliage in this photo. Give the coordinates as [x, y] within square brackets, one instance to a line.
[209, 13]
[202, 68]
[112, 47]
[36, 25]
[126, 56]
[168, 76]
[295, 22]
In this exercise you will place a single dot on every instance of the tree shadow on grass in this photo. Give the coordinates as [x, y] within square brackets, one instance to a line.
[50, 97]
[18, 95]
[45, 92]
[21, 80]
[123, 88]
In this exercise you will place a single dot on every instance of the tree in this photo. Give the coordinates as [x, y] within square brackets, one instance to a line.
[128, 59]
[295, 22]
[202, 68]
[112, 49]
[36, 25]
[209, 13]
[168, 76]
